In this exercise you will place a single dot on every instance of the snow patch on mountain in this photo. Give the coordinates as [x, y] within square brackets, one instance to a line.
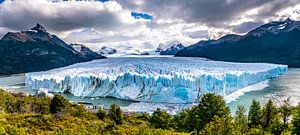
[107, 51]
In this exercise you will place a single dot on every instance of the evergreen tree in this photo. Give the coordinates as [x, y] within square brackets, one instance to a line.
[59, 104]
[277, 127]
[115, 113]
[240, 121]
[254, 114]
[286, 111]
[296, 121]
[160, 119]
[209, 106]
[179, 121]
[268, 113]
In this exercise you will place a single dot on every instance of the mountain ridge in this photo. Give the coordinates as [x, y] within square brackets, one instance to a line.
[36, 50]
[275, 42]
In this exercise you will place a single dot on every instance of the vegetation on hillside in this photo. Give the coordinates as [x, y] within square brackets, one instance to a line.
[31, 115]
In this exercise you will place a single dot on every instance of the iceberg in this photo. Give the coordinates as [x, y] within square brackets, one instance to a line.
[153, 79]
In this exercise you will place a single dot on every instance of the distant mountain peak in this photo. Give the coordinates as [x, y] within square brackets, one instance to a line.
[275, 27]
[288, 20]
[106, 51]
[39, 28]
[169, 48]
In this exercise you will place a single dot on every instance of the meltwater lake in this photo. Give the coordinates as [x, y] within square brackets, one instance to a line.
[277, 89]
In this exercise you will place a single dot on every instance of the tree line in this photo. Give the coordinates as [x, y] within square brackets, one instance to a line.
[32, 115]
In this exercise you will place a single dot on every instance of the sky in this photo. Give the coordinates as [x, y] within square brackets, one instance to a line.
[142, 24]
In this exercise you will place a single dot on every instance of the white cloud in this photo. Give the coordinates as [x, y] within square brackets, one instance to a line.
[98, 24]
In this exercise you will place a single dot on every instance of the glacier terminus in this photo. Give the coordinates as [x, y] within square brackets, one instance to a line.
[153, 79]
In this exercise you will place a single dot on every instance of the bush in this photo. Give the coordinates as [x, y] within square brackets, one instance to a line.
[40, 105]
[59, 104]
[115, 114]
[101, 114]
[80, 111]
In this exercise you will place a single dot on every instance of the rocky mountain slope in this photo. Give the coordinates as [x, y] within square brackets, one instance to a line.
[36, 50]
[275, 42]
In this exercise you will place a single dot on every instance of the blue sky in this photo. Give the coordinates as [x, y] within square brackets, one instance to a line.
[137, 15]
[1, 1]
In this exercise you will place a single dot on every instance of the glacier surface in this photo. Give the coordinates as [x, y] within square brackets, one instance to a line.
[153, 79]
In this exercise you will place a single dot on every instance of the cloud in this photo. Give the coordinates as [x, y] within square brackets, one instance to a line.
[246, 27]
[209, 12]
[197, 34]
[142, 24]
[63, 16]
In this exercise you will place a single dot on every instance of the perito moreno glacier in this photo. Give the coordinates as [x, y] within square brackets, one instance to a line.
[166, 80]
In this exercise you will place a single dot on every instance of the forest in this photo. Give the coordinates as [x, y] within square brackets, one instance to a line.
[36, 115]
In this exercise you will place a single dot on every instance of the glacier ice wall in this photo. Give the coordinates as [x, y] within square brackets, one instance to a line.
[167, 79]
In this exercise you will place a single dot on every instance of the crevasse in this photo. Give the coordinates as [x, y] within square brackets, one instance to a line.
[167, 80]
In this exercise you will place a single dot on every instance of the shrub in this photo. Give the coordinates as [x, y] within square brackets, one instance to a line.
[59, 104]
[115, 114]
[101, 114]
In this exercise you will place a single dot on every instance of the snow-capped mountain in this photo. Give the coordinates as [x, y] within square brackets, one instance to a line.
[85, 51]
[297, 11]
[36, 50]
[106, 51]
[276, 27]
[169, 48]
[226, 38]
[274, 42]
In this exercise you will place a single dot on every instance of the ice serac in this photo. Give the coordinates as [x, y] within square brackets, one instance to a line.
[168, 79]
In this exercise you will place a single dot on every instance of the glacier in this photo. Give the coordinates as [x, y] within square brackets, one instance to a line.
[153, 79]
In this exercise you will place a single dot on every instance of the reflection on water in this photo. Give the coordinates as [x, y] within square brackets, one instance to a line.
[278, 89]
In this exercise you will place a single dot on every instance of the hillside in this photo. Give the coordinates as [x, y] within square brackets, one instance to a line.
[275, 42]
[36, 50]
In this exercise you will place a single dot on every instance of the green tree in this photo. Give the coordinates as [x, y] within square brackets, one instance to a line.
[59, 104]
[240, 121]
[277, 127]
[268, 113]
[296, 121]
[218, 126]
[115, 113]
[210, 105]
[178, 121]
[101, 114]
[254, 114]
[160, 119]
[286, 110]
